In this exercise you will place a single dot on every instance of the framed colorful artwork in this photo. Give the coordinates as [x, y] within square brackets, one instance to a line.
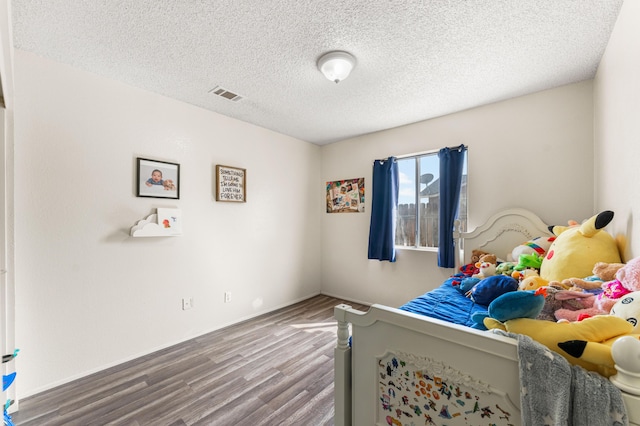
[345, 196]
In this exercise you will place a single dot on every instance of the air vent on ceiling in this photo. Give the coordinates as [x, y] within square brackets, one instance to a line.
[222, 92]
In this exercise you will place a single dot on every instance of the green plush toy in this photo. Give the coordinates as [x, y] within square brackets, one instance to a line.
[505, 268]
[528, 261]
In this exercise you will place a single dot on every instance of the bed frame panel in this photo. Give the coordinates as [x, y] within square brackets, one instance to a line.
[384, 331]
[499, 234]
[486, 362]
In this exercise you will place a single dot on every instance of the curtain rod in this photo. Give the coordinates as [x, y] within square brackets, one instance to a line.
[415, 154]
[383, 160]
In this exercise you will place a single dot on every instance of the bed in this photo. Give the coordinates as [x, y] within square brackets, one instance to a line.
[397, 367]
[446, 303]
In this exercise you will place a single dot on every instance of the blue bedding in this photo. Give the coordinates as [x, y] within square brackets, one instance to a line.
[446, 303]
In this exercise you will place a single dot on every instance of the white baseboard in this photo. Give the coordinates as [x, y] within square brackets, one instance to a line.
[159, 348]
[346, 299]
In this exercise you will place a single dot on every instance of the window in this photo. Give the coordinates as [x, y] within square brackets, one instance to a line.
[420, 186]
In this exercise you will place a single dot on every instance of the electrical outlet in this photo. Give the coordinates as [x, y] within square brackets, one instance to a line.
[187, 303]
[227, 296]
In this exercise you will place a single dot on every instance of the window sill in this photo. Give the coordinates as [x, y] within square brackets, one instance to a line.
[413, 248]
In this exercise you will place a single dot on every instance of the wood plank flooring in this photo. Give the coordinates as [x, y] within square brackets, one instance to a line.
[276, 369]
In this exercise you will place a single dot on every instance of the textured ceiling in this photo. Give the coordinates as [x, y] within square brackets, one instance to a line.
[417, 59]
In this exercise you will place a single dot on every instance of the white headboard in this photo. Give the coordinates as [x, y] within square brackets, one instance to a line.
[499, 234]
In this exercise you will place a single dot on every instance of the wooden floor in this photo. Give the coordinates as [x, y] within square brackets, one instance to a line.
[276, 369]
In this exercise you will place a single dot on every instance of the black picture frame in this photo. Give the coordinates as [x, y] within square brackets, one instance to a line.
[168, 186]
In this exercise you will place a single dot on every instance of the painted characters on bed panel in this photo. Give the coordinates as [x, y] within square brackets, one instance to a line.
[410, 397]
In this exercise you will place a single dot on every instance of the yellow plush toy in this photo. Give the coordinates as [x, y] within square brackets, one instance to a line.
[586, 343]
[531, 280]
[578, 248]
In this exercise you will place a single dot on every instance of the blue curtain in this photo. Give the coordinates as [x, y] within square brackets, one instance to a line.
[384, 204]
[451, 164]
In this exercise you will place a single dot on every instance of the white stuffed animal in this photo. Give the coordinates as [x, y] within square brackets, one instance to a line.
[487, 269]
[628, 308]
[538, 246]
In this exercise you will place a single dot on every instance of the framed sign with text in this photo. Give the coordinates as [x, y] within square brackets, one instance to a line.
[231, 184]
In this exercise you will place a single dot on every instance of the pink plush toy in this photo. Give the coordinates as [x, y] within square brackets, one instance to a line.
[562, 304]
[612, 292]
[627, 280]
[573, 311]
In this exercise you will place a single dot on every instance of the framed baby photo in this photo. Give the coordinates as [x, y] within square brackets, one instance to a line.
[158, 179]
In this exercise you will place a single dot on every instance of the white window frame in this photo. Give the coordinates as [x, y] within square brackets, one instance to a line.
[418, 187]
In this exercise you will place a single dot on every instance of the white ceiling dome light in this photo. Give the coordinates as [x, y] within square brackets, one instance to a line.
[336, 65]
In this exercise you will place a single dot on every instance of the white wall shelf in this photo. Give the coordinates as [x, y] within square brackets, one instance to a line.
[149, 227]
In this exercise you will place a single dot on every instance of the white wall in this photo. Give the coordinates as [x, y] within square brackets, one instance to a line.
[7, 317]
[534, 151]
[87, 294]
[617, 128]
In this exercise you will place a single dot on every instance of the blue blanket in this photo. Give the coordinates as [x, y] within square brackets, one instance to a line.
[446, 303]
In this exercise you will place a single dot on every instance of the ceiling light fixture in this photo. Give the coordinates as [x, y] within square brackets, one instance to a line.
[336, 65]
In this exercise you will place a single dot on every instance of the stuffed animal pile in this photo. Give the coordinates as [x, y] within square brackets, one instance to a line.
[573, 251]
[602, 272]
[579, 301]
[580, 268]
[626, 281]
[585, 343]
